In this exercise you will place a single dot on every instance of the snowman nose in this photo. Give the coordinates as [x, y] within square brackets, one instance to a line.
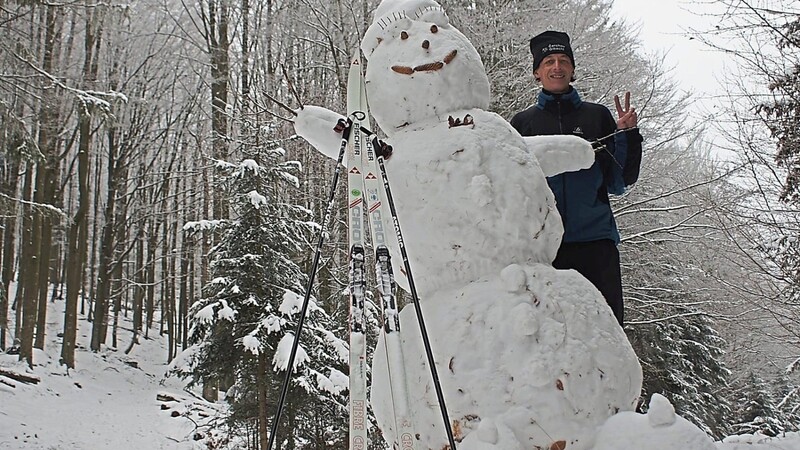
[426, 44]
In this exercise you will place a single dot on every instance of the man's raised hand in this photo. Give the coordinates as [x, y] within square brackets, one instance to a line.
[627, 115]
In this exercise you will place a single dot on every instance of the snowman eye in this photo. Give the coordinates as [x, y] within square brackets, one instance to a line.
[403, 35]
[434, 29]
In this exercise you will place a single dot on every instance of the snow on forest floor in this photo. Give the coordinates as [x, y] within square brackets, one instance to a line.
[118, 401]
[108, 402]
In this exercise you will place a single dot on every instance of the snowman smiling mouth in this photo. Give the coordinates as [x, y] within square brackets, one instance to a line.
[430, 67]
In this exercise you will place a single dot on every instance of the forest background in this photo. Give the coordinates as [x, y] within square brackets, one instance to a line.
[146, 177]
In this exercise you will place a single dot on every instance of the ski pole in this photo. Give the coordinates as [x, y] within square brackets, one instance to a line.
[311, 277]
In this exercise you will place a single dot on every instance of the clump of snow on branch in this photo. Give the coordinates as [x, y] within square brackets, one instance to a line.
[256, 199]
[206, 315]
[281, 360]
[202, 225]
[292, 303]
[251, 344]
[336, 383]
[220, 310]
[341, 347]
[226, 312]
[271, 324]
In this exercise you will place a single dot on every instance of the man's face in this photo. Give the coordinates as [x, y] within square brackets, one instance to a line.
[555, 73]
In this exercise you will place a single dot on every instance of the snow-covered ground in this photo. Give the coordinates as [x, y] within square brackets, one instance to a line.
[108, 402]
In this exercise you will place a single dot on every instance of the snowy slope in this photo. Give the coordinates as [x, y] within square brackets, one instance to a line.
[108, 402]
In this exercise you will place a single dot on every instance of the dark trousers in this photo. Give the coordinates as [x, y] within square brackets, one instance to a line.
[598, 262]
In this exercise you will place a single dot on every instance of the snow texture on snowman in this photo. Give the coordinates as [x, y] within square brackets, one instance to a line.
[529, 357]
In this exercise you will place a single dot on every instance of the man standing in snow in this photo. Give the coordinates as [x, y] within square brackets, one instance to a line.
[590, 237]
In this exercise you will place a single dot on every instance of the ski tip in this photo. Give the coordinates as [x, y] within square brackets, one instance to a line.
[355, 60]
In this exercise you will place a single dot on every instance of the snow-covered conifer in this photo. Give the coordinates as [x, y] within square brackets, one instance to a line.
[682, 359]
[243, 328]
[757, 410]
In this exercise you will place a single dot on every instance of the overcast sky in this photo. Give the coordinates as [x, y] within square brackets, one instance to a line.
[664, 27]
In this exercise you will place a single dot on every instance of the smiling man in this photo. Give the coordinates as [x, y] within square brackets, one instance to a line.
[590, 237]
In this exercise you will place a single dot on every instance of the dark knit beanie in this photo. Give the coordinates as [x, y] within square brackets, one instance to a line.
[548, 43]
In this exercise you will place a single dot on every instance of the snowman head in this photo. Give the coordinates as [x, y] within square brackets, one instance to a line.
[419, 66]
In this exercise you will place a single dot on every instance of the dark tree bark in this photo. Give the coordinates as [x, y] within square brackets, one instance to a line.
[9, 242]
[107, 245]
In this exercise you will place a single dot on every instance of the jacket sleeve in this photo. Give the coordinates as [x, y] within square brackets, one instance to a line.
[615, 154]
[626, 149]
[517, 122]
[619, 152]
[633, 161]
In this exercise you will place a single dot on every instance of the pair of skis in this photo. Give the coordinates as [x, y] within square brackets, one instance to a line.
[366, 194]
[365, 189]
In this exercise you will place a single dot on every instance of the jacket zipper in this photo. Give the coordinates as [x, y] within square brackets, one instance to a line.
[563, 175]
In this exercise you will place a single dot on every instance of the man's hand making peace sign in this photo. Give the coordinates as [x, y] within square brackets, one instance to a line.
[627, 116]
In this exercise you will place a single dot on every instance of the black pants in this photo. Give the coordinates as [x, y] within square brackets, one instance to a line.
[598, 261]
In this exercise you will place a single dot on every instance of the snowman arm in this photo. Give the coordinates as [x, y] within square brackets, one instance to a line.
[560, 153]
[316, 125]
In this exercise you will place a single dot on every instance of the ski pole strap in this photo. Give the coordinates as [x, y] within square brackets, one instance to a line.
[598, 145]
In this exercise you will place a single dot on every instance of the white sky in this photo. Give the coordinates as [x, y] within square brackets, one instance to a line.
[664, 26]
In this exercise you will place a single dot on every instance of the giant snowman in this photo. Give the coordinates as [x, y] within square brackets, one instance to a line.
[529, 357]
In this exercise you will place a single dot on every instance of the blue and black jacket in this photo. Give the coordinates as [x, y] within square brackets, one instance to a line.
[582, 196]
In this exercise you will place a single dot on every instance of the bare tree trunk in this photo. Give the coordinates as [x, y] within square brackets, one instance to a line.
[262, 389]
[191, 296]
[27, 293]
[220, 73]
[120, 238]
[140, 278]
[116, 296]
[9, 243]
[166, 299]
[78, 231]
[94, 251]
[150, 299]
[184, 291]
[107, 245]
[76, 248]
[45, 248]
[206, 236]
[141, 281]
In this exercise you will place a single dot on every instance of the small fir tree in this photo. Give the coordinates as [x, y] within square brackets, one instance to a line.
[757, 410]
[244, 326]
[682, 359]
[788, 397]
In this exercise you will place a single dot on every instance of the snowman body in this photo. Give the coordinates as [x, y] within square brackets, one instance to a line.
[529, 357]
[473, 199]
